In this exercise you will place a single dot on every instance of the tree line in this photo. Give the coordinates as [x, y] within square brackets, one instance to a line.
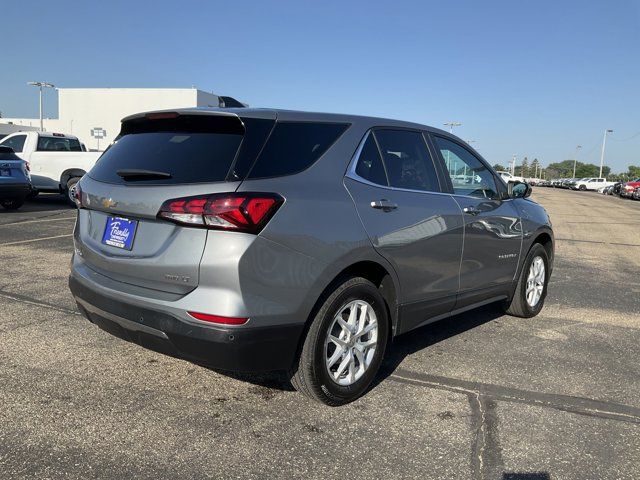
[564, 169]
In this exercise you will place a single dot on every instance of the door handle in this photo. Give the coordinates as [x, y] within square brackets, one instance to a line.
[471, 210]
[384, 204]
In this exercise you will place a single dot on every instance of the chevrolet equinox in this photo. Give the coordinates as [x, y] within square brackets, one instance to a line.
[253, 240]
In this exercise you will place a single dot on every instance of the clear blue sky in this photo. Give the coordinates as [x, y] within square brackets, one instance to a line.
[525, 78]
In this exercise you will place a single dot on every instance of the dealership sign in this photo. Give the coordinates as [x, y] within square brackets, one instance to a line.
[98, 132]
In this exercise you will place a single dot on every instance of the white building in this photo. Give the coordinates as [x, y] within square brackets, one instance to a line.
[82, 109]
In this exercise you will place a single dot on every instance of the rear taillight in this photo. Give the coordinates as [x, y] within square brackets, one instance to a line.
[77, 195]
[207, 317]
[243, 212]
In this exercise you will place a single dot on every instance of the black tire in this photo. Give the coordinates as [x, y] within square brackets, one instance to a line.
[518, 306]
[12, 203]
[310, 374]
[32, 194]
[582, 188]
[71, 183]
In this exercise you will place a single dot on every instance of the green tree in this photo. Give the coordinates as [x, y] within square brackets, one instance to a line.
[524, 170]
[634, 171]
[564, 169]
[535, 168]
[499, 167]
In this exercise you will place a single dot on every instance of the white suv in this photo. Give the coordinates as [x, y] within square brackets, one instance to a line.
[591, 184]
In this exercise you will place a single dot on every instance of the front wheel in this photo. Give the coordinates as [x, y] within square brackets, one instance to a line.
[531, 290]
[345, 344]
[582, 188]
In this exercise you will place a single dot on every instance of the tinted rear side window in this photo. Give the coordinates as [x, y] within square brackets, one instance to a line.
[58, 144]
[295, 146]
[407, 160]
[369, 165]
[191, 149]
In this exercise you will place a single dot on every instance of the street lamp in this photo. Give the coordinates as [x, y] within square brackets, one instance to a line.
[40, 85]
[604, 142]
[451, 125]
[575, 160]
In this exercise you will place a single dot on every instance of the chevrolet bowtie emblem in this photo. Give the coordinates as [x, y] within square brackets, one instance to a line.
[109, 203]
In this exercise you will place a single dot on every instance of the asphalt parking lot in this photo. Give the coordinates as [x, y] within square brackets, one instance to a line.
[479, 396]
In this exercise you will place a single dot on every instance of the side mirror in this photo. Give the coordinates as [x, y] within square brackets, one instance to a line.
[519, 189]
[6, 149]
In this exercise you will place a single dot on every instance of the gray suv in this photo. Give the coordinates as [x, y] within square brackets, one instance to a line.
[252, 240]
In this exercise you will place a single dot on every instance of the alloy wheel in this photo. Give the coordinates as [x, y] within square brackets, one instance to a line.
[351, 342]
[535, 281]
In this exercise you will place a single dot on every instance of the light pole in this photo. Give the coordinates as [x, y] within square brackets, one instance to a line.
[575, 160]
[40, 85]
[451, 125]
[604, 142]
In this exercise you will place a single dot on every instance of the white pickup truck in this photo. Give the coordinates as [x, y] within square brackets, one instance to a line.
[57, 161]
[507, 177]
[591, 184]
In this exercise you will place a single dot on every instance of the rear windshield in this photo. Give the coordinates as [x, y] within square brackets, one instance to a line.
[188, 156]
[58, 144]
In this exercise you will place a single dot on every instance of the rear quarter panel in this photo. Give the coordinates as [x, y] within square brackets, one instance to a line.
[319, 223]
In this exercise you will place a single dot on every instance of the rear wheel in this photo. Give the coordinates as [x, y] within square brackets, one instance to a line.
[70, 190]
[343, 349]
[12, 203]
[531, 291]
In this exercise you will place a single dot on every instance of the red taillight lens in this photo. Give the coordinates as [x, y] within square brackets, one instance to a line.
[77, 195]
[244, 212]
[218, 319]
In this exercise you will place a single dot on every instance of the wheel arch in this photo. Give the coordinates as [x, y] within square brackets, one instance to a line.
[545, 239]
[383, 276]
[68, 174]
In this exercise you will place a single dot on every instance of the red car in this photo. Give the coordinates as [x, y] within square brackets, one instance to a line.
[627, 189]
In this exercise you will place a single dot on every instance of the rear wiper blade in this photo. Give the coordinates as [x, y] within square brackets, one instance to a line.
[134, 174]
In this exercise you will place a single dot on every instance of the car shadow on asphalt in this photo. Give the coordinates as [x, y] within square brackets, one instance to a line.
[431, 334]
[46, 202]
[399, 349]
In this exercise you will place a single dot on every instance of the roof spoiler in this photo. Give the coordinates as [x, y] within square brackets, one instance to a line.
[230, 102]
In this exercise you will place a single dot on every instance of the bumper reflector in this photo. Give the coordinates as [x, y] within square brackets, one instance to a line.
[206, 317]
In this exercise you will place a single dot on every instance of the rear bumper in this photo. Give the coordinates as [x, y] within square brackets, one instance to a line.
[250, 349]
[14, 190]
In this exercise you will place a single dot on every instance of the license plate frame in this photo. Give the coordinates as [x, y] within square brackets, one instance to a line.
[120, 232]
[5, 172]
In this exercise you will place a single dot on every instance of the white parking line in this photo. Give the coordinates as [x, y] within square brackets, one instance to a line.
[37, 221]
[34, 240]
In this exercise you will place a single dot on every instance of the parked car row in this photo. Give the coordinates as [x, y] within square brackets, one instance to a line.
[33, 162]
[629, 189]
[624, 189]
